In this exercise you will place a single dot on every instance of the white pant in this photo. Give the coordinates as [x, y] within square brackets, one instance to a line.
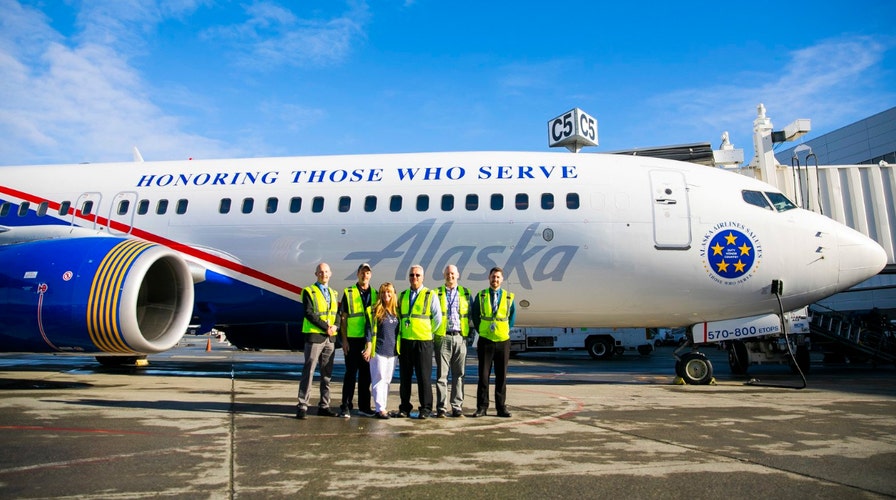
[381, 371]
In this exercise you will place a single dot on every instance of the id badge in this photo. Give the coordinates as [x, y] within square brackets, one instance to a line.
[407, 323]
[493, 327]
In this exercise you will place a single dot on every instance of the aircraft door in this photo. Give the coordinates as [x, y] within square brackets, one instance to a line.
[86, 209]
[121, 212]
[671, 213]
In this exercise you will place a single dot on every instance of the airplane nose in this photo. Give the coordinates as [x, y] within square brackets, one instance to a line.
[860, 257]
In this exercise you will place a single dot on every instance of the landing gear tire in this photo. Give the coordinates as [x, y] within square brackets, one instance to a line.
[738, 357]
[599, 349]
[694, 368]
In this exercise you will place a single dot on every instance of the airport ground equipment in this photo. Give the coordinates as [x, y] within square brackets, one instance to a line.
[752, 340]
[601, 343]
[854, 338]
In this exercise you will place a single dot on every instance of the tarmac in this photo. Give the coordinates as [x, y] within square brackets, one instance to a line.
[220, 424]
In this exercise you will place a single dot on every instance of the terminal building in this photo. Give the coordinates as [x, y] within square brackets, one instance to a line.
[867, 141]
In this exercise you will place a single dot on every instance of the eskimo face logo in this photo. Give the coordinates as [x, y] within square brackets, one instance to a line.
[731, 253]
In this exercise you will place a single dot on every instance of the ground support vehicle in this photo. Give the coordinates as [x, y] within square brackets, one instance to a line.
[601, 343]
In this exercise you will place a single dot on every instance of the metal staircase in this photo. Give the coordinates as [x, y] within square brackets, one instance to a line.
[858, 338]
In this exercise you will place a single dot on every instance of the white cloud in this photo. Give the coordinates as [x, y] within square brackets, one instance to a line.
[273, 36]
[80, 99]
[832, 83]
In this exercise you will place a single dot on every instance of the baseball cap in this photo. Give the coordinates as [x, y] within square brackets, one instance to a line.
[364, 265]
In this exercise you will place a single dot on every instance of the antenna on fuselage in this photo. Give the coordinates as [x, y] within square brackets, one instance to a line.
[138, 158]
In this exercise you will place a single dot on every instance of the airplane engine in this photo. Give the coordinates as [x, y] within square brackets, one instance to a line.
[93, 295]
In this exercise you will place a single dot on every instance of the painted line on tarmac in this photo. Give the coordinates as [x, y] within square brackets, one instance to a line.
[106, 458]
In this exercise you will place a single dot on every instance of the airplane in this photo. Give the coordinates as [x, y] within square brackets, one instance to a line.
[119, 258]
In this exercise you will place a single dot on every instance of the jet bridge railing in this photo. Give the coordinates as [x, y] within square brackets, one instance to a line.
[856, 337]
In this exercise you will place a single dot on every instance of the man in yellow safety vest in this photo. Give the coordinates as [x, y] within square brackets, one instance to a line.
[493, 314]
[419, 316]
[319, 326]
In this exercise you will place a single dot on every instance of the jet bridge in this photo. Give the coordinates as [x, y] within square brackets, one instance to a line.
[856, 339]
[862, 197]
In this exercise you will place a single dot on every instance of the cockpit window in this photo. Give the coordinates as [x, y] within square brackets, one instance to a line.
[756, 198]
[781, 203]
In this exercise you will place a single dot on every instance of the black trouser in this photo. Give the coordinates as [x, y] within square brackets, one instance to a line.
[356, 368]
[415, 359]
[497, 354]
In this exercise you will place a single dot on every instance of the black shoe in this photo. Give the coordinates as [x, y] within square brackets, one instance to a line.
[399, 414]
[423, 415]
[300, 413]
[457, 412]
[441, 414]
[325, 412]
[479, 413]
[504, 414]
[366, 413]
[381, 415]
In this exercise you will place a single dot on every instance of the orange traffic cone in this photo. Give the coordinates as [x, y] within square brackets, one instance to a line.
[208, 345]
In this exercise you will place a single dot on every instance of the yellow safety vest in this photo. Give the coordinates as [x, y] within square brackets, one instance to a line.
[327, 312]
[416, 322]
[358, 315]
[494, 325]
[463, 309]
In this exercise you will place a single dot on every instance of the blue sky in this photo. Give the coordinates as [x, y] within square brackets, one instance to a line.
[88, 80]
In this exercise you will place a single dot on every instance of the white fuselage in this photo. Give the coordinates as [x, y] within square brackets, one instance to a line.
[625, 241]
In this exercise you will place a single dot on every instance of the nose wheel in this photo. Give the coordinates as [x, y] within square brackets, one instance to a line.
[694, 368]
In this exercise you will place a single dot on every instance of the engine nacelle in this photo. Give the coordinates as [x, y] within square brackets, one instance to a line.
[93, 295]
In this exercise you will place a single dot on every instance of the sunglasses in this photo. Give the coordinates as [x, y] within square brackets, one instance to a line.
[414, 275]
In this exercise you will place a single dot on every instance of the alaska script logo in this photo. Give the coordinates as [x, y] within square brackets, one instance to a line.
[524, 262]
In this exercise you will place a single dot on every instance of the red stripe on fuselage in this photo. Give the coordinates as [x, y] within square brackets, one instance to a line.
[161, 240]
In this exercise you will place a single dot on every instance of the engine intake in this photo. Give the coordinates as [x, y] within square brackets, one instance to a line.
[93, 295]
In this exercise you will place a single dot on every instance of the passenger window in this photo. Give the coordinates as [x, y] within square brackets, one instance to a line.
[248, 205]
[271, 206]
[572, 201]
[781, 203]
[472, 202]
[317, 204]
[86, 207]
[497, 202]
[422, 203]
[370, 203]
[4, 209]
[181, 207]
[64, 207]
[42, 208]
[447, 202]
[224, 206]
[547, 201]
[295, 205]
[395, 203]
[522, 201]
[142, 207]
[345, 203]
[756, 198]
[23, 208]
[123, 207]
[162, 207]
